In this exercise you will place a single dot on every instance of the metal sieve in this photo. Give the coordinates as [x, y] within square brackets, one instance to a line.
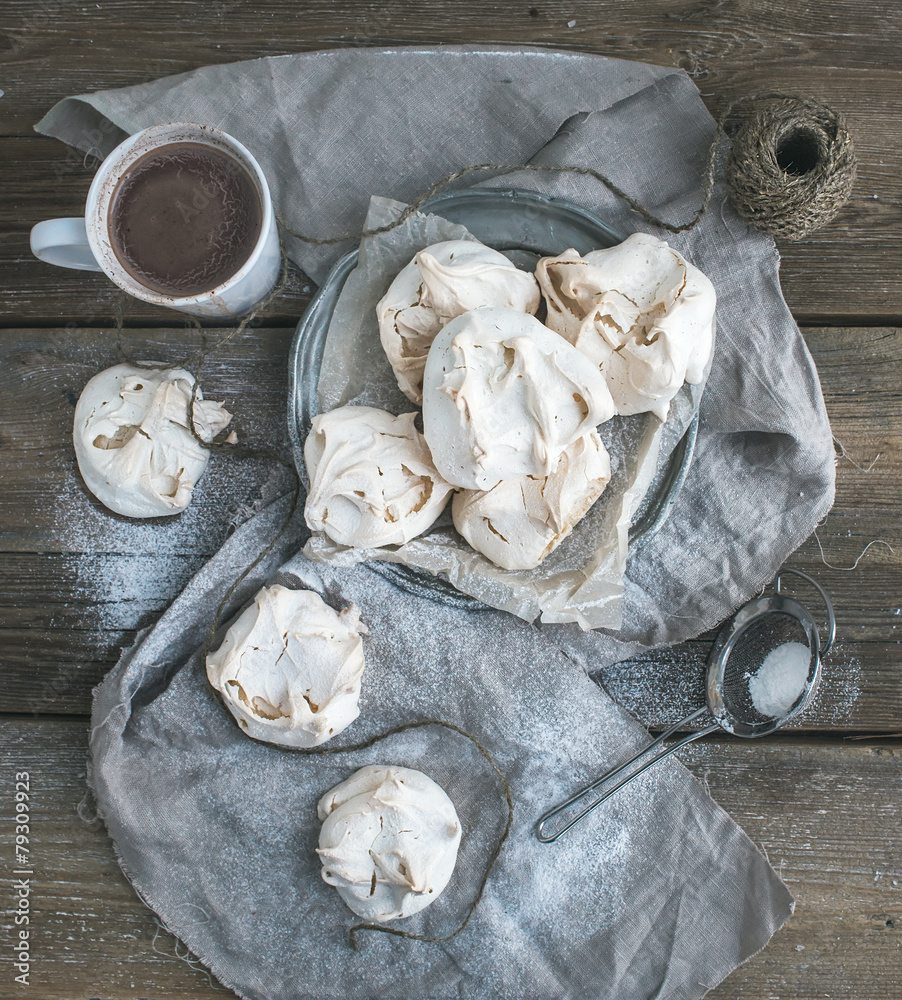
[743, 644]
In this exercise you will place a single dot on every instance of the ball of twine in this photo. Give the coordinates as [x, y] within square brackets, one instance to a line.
[792, 165]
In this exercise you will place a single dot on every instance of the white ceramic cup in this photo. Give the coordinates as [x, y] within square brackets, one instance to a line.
[85, 244]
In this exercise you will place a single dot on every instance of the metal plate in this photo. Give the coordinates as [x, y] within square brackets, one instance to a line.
[525, 226]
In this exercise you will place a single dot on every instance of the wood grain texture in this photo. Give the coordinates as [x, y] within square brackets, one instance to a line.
[43, 371]
[44, 179]
[76, 583]
[94, 938]
[45, 508]
[844, 53]
[723, 44]
[64, 620]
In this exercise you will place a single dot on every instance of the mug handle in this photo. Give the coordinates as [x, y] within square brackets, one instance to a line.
[63, 242]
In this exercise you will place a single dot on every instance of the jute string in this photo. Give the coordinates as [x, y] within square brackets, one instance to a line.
[792, 165]
[790, 170]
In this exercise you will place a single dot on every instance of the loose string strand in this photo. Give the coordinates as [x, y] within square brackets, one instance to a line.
[493, 857]
[414, 206]
[785, 202]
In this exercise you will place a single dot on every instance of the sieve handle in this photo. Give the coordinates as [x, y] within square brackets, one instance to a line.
[546, 838]
[828, 604]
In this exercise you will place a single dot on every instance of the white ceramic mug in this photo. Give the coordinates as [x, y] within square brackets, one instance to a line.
[85, 244]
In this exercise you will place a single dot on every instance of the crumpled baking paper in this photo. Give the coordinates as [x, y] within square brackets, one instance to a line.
[582, 580]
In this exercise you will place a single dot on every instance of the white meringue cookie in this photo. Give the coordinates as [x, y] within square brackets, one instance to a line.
[372, 479]
[132, 442]
[640, 311]
[503, 396]
[388, 842]
[519, 522]
[441, 282]
[289, 668]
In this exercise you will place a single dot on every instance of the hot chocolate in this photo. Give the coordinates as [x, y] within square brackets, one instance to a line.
[184, 218]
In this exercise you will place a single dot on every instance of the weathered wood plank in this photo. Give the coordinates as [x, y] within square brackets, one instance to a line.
[841, 52]
[103, 591]
[44, 506]
[53, 670]
[843, 274]
[77, 582]
[721, 44]
[64, 619]
[816, 813]
[824, 812]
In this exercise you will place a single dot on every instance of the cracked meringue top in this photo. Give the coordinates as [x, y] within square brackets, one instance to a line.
[388, 842]
[442, 282]
[289, 668]
[640, 311]
[519, 522]
[372, 478]
[503, 396]
[132, 441]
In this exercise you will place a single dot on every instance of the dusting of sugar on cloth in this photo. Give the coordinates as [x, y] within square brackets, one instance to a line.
[780, 679]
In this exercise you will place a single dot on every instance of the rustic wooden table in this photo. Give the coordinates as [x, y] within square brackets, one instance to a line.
[822, 801]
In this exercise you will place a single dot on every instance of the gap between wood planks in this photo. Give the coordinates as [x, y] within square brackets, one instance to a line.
[283, 320]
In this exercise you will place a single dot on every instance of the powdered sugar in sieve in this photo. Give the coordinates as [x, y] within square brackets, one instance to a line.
[763, 669]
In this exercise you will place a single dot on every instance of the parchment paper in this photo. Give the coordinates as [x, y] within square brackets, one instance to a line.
[582, 580]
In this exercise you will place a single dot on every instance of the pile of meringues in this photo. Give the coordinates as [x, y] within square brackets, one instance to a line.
[510, 405]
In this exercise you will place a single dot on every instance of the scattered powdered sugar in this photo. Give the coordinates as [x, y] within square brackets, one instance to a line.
[553, 920]
[839, 689]
[776, 685]
[125, 591]
[82, 524]
[125, 570]
[658, 688]
[666, 685]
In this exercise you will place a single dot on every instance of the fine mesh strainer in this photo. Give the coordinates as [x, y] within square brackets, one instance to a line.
[743, 699]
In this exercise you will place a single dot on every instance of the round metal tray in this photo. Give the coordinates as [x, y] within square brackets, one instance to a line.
[525, 226]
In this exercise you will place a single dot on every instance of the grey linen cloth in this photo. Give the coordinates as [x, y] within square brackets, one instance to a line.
[658, 894]
[693, 898]
[330, 129]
